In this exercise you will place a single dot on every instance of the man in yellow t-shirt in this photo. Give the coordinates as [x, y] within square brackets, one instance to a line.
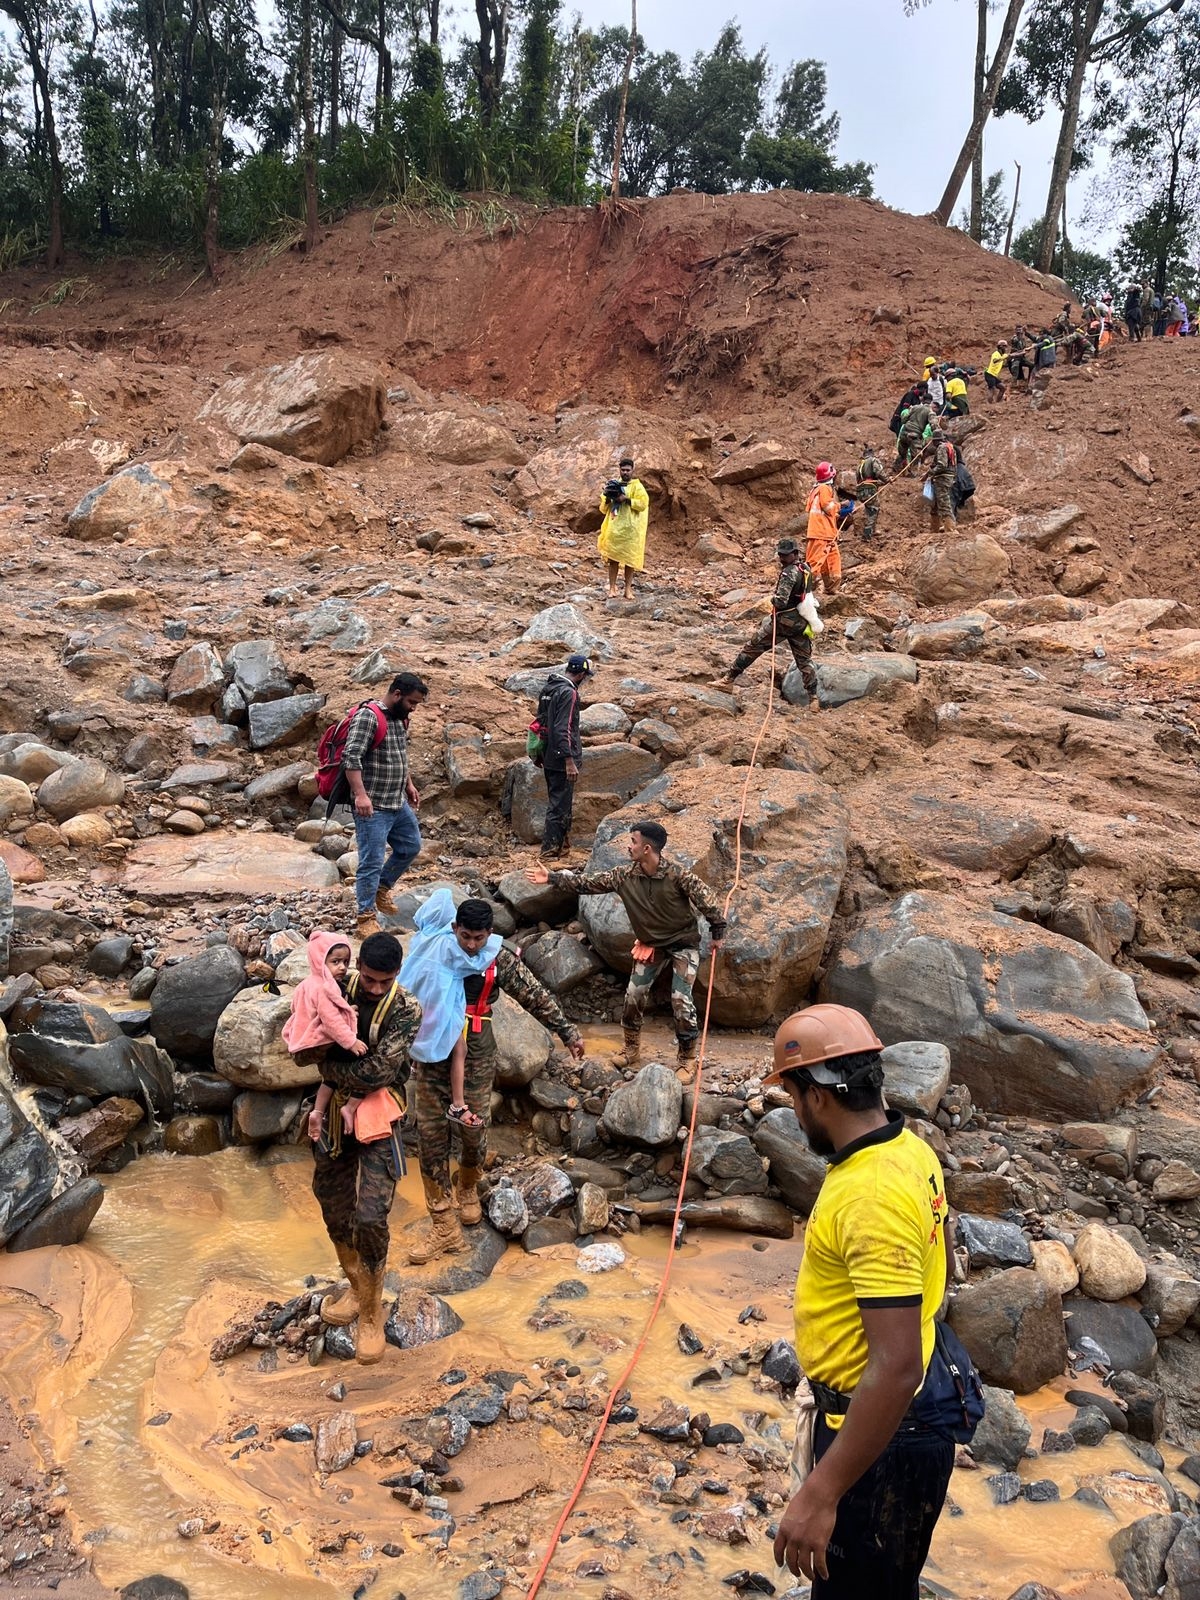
[995, 366]
[873, 1276]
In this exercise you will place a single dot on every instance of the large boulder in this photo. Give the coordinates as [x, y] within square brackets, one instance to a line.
[794, 1169]
[841, 679]
[197, 679]
[1035, 1023]
[189, 997]
[287, 721]
[563, 624]
[1120, 1330]
[80, 1049]
[725, 1160]
[994, 837]
[258, 671]
[64, 1221]
[222, 867]
[522, 1045]
[134, 500]
[645, 1112]
[248, 1047]
[793, 863]
[83, 786]
[958, 570]
[464, 437]
[1109, 1267]
[28, 1167]
[608, 777]
[317, 406]
[916, 1074]
[1003, 1435]
[1012, 1326]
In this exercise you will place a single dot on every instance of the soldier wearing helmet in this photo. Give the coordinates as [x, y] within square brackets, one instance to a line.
[872, 1278]
[794, 623]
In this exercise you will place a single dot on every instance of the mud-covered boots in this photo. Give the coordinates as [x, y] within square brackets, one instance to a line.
[466, 1192]
[685, 1059]
[366, 924]
[385, 901]
[444, 1236]
[340, 1307]
[631, 1053]
[371, 1340]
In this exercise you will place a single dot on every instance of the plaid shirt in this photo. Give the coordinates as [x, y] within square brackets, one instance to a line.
[385, 768]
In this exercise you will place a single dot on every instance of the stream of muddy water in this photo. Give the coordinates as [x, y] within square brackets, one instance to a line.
[107, 1348]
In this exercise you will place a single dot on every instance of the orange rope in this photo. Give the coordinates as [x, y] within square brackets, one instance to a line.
[616, 1389]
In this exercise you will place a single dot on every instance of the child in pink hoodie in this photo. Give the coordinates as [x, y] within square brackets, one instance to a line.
[322, 1016]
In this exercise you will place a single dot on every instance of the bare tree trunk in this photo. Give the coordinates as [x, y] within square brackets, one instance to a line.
[434, 23]
[981, 25]
[212, 193]
[335, 86]
[310, 132]
[1012, 215]
[1060, 171]
[619, 136]
[1008, 34]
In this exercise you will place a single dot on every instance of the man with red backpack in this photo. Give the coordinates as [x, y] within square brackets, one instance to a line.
[374, 761]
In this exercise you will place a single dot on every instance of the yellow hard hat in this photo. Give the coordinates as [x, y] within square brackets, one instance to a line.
[819, 1034]
[930, 361]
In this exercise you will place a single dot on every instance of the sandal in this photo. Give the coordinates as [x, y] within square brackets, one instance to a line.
[464, 1116]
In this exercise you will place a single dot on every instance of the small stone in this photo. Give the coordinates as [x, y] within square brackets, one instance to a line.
[1005, 1487]
[337, 1436]
[1041, 1492]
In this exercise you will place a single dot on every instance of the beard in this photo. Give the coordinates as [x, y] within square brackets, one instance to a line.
[395, 713]
[819, 1141]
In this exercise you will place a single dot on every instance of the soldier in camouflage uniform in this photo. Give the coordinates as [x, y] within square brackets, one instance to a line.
[788, 626]
[911, 439]
[431, 1083]
[942, 469]
[354, 1183]
[662, 901]
[871, 478]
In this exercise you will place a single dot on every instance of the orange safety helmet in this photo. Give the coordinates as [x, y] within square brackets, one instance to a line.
[825, 472]
[819, 1034]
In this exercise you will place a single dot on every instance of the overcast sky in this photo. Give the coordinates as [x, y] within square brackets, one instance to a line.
[901, 84]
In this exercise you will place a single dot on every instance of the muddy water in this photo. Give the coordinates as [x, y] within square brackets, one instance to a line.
[107, 1345]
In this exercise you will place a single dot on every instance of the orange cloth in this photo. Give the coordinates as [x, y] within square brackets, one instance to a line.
[642, 952]
[374, 1116]
[822, 511]
[825, 559]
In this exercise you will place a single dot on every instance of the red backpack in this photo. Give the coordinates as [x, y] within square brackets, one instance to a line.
[332, 747]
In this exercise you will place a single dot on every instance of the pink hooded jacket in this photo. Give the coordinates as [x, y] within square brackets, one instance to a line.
[321, 1014]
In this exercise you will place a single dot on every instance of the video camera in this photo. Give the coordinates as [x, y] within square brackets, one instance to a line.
[615, 491]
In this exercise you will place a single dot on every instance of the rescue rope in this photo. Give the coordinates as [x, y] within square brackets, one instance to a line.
[673, 1244]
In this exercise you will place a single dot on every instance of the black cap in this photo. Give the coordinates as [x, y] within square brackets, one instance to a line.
[578, 663]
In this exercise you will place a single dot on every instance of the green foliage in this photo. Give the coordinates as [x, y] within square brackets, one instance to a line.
[1088, 274]
[994, 214]
[147, 92]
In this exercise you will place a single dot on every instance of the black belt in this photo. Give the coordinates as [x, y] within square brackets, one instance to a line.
[832, 1403]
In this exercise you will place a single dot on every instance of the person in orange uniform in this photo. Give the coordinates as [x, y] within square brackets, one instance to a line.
[822, 553]
[877, 1254]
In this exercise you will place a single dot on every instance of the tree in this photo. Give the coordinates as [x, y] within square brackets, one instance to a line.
[795, 150]
[725, 91]
[1087, 273]
[993, 214]
[42, 25]
[491, 54]
[1063, 40]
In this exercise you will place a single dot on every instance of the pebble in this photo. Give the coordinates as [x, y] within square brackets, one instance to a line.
[600, 1258]
[1005, 1487]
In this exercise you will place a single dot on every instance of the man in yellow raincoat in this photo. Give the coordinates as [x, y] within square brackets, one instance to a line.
[622, 541]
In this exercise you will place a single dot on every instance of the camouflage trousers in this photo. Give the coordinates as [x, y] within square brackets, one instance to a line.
[799, 644]
[943, 506]
[354, 1191]
[685, 964]
[870, 509]
[431, 1084]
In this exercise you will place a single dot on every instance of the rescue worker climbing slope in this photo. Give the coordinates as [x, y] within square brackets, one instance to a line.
[821, 552]
[871, 478]
[790, 626]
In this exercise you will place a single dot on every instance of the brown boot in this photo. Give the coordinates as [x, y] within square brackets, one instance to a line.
[340, 1308]
[445, 1235]
[632, 1053]
[466, 1192]
[384, 901]
[371, 1340]
[366, 925]
[685, 1060]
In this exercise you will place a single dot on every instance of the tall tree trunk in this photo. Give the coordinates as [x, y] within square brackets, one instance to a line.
[335, 86]
[1008, 34]
[1012, 215]
[54, 243]
[619, 136]
[212, 190]
[1087, 20]
[981, 24]
[435, 23]
[310, 132]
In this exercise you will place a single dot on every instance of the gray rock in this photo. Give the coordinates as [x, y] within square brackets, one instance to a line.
[794, 1170]
[199, 775]
[726, 1160]
[646, 1111]
[81, 1049]
[530, 682]
[279, 722]
[155, 1587]
[197, 679]
[507, 1210]
[1140, 1551]
[1002, 1437]
[1183, 1563]
[141, 985]
[110, 957]
[481, 1586]
[419, 1317]
[142, 690]
[1012, 1327]
[28, 1167]
[1170, 1295]
[64, 1221]
[522, 1045]
[258, 671]
[842, 679]
[603, 717]
[563, 625]
[1035, 1023]
[1121, 1332]
[1089, 1426]
[188, 1000]
[916, 1074]
[654, 734]
[82, 786]
[780, 1364]
[273, 785]
[260, 1117]
[533, 902]
[480, 1404]
[1145, 1405]
[993, 1243]
[6, 917]
[544, 1187]
[561, 961]
[545, 1232]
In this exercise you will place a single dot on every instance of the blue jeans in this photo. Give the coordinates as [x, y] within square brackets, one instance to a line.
[374, 835]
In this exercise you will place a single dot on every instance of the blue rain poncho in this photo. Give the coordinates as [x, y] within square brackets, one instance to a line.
[433, 971]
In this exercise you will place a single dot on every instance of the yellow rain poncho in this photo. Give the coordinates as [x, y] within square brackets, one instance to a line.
[623, 531]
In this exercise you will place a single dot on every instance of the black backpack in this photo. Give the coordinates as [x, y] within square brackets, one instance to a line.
[951, 1400]
[964, 483]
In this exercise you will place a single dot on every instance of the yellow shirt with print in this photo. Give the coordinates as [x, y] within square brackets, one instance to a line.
[875, 1239]
[996, 365]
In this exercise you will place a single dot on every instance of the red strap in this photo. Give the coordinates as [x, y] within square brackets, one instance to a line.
[478, 1012]
[381, 723]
